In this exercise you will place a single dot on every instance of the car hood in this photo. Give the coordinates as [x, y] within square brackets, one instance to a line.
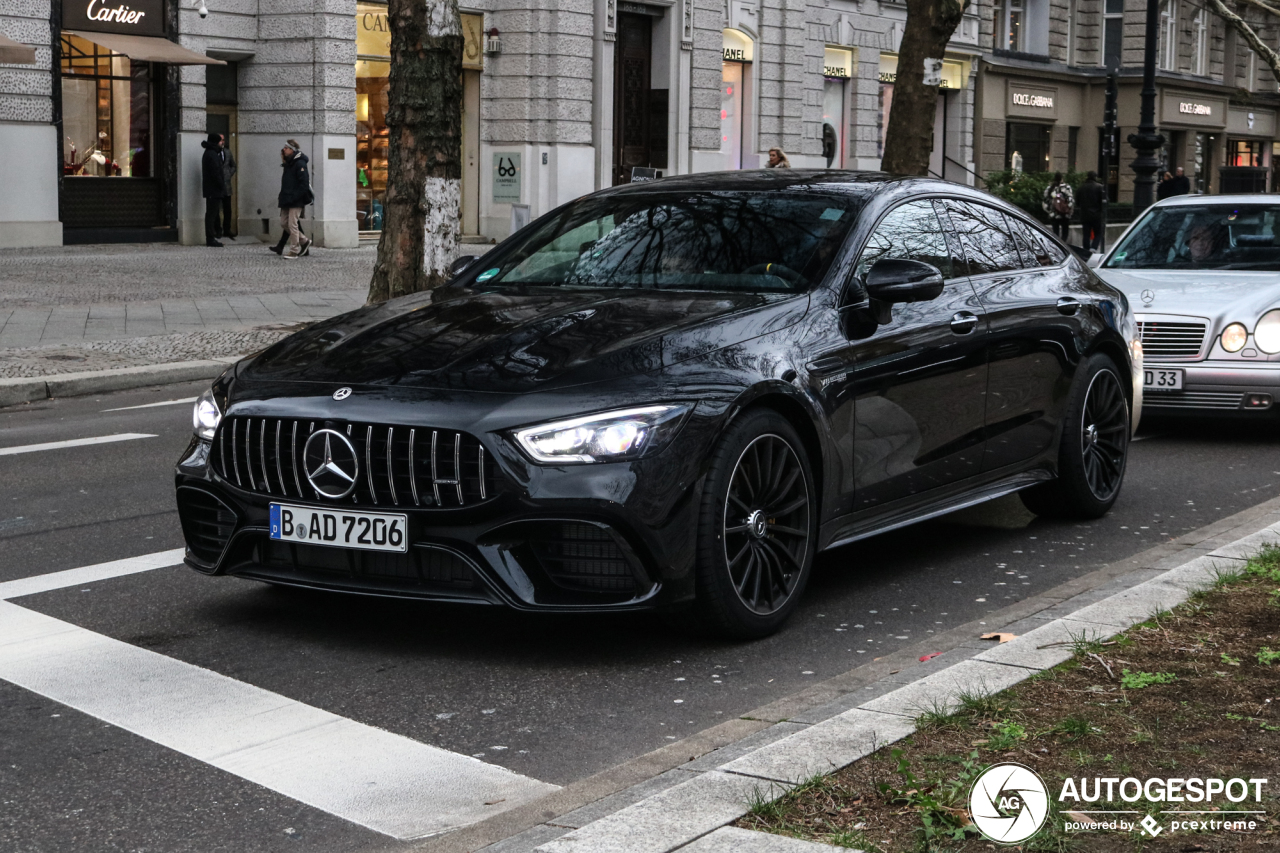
[520, 340]
[1230, 294]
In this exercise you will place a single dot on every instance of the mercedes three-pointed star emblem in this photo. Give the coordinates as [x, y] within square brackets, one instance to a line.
[331, 463]
[1148, 296]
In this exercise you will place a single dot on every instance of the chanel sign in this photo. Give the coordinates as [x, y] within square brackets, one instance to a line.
[130, 17]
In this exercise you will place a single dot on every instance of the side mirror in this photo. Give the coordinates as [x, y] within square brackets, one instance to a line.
[900, 280]
[461, 263]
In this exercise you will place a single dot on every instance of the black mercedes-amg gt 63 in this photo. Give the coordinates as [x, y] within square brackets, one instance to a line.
[673, 395]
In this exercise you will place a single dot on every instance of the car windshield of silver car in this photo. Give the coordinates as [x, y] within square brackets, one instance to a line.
[1203, 237]
[721, 241]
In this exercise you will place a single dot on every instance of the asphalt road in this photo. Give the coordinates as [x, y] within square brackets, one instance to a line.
[551, 698]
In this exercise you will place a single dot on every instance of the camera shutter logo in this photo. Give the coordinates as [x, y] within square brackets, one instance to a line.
[330, 462]
[1009, 803]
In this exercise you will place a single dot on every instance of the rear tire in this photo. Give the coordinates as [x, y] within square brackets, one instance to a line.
[757, 530]
[1094, 449]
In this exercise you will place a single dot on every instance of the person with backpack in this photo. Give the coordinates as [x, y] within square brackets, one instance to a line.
[295, 194]
[1059, 203]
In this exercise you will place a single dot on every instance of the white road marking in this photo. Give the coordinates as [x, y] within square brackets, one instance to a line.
[383, 781]
[89, 574]
[153, 405]
[74, 442]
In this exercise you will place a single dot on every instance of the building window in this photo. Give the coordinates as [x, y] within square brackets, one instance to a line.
[1201, 51]
[1168, 51]
[1027, 147]
[1112, 32]
[1013, 27]
[1071, 33]
[1245, 152]
[106, 112]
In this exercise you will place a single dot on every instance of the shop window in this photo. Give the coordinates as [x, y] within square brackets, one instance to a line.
[373, 69]
[739, 52]
[1168, 36]
[837, 68]
[1245, 152]
[1027, 147]
[1112, 32]
[106, 112]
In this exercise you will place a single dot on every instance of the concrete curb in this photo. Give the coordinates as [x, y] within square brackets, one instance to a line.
[26, 390]
[688, 808]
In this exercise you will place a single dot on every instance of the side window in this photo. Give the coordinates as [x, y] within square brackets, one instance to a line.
[1036, 247]
[987, 245]
[910, 231]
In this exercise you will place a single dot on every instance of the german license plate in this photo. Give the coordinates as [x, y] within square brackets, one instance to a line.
[1162, 379]
[337, 528]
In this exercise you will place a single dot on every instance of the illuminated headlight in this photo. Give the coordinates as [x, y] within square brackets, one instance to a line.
[606, 437]
[1267, 333]
[206, 416]
[1234, 337]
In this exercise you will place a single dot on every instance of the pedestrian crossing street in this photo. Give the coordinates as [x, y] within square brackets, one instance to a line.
[385, 782]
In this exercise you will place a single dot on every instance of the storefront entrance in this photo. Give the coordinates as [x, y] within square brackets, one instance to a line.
[1027, 146]
[639, 109]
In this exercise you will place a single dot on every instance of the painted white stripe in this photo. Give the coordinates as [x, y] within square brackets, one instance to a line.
[153, 405]
[89, 574]
[386, 782]
[74, 442]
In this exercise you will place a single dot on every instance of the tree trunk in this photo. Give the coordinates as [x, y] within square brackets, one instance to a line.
[419, 237]
[909, 141]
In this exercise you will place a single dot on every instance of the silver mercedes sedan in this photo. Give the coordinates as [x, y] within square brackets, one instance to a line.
[1203, 276]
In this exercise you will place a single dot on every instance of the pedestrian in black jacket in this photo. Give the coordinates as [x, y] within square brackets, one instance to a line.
[295, 194]
[226, 229]
[215, 186]
[1091, 200]
[1180, 185]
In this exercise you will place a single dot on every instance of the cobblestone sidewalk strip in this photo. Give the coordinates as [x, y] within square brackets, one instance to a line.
[688, 809]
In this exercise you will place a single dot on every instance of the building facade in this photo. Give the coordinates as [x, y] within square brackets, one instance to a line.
[561, 97]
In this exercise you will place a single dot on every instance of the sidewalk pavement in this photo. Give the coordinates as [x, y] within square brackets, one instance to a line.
[688, 805]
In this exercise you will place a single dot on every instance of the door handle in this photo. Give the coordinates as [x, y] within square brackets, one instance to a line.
[1068, 305]
[964, 322]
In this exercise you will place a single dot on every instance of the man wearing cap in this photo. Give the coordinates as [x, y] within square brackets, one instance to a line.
[215, 186]
[295, 194]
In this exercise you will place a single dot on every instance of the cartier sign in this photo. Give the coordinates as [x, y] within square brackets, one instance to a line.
[131, 17]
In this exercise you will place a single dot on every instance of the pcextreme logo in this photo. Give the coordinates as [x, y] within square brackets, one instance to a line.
[1009, 803]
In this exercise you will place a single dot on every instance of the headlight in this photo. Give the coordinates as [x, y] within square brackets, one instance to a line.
[207, 416]
[1267, 333]
[606, 437]
[1234, 337]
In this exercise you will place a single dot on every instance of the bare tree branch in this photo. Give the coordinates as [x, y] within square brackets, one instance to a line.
[1271, 10]
[1242, 27]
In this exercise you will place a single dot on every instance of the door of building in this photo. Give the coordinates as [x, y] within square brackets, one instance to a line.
[471, 153]
[222, 119]
[632, 72]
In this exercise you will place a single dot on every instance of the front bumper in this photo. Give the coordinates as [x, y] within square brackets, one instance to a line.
[598, 537]
[1217, 388]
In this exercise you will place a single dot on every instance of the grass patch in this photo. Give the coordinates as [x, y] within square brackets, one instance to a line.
[1190, 693]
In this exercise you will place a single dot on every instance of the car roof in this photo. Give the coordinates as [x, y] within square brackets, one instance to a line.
[1239, 198]
[861, 183]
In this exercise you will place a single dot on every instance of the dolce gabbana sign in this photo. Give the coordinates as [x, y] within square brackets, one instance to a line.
[1193, 109]
[1032, 101]
[129, 17]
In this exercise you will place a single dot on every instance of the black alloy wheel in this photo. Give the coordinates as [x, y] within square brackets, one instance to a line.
[758, 528]
[1105, 437]
[766, 524]
[1094, 449]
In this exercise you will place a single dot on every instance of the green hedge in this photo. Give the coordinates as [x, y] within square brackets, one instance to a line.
[1026, 189]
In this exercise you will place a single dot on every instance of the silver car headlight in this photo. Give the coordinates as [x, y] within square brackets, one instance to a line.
[605, 437]
[206, 416]
[1234, 337]
[1267, 333]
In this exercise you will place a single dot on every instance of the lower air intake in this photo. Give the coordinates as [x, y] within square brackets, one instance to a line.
[584, 558]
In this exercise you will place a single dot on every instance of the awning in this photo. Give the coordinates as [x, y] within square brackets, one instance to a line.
[16, 53]
[147, 48]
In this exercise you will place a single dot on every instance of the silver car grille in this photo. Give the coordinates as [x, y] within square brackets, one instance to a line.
[1167, 341]
[1193, 400]
[399, 466]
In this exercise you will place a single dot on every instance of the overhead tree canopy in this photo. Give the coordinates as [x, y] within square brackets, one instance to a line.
[1248, 31]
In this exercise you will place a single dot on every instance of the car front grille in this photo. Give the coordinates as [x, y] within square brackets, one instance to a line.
[207, 523]
[398, 466]
[1193, 400]
[583, 557]
[1166, 340]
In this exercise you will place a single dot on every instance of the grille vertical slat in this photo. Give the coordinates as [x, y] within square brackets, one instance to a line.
[480, 465]
[294, 457]
[262, 452]
[368, 463]
[391, 475]
[235, 454]
[413, 474]
[284, 490]
[435, 480]
[457, 467]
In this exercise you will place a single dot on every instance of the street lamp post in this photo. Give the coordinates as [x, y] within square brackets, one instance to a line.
[1146, 142]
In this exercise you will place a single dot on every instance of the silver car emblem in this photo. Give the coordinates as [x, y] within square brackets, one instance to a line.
[342, 394]
[331, 464]
[1148, 296]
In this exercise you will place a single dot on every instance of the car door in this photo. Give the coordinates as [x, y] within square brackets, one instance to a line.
[1033, 314]
[917, 382]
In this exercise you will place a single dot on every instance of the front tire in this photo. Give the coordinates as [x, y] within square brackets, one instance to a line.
[758, 528]
[1094, 450]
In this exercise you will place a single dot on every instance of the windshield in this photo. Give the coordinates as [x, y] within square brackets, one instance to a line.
[1203, 236]
[713, 241]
